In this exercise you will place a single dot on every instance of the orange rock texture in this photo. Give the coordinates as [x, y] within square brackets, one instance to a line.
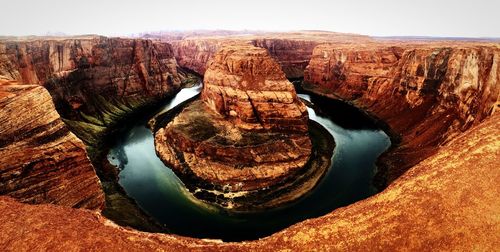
[125, 66]
[245, 84]
[439, 99]
[94, 81]
[427, 93]
[447, 202]
[291, 50]
[248, 132]
[41, 161]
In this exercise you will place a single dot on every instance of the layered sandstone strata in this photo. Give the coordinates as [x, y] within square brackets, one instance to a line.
[248, 132]
[293, 55]
[245, 84]
[41, 161]
[194, 54]
[94, 81]
[447, 202]
[291, 50]
[427, 93]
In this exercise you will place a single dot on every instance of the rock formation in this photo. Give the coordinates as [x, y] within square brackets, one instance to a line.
[195, 54]
[41, 161]
[248, 132]
[97, 84]
[291, 50]
[246, 85]
[438, 97]
[447, 202]
[293, 55]
[427, 93]
[94, 81]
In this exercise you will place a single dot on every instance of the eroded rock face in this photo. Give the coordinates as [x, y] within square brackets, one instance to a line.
[126, 66]
[245, 84]
[293, 55]
[41, 161]
[440, 204]
[291, 50]
[195, 54]
[249, 131]
[94, 81]
[219, 152]
[427, 93]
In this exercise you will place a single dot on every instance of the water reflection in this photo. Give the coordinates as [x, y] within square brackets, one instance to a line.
[161, 194]
[183, 95]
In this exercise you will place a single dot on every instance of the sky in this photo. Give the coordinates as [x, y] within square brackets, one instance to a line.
[443, 18]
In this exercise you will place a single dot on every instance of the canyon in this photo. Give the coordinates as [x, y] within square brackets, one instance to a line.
[423, 92]
[426, 93]
[436, 99]
[94, 84]
[439, 204]
[291, 50]
[246, 137]
[94, 81]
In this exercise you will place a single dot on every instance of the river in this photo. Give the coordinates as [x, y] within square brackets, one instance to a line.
[159, 192]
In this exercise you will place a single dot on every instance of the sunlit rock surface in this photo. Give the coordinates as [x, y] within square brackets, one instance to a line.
[248, 132]
[447, 202]
[291, 50]
[94, 81]
[246, 85]
[41, 161]
[427, 93]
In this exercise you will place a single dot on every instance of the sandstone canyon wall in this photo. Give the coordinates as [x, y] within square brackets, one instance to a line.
[291, 50]
[194, 54]
[427, 93]
[41, 161]
[245, 84]
[292, 55]
[248, 133]
[94, 81]
[447, 202]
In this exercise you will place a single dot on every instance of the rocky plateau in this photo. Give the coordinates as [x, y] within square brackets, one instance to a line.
[291, 50]
[437, 100]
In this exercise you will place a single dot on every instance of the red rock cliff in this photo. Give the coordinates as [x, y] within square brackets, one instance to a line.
[194, 54]
[292, 50]
[94, 81]
[245, 84]
[41, 161]
[292, 55]
[126, 65]
[438, 205]
[248, 134]
[427, 93]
